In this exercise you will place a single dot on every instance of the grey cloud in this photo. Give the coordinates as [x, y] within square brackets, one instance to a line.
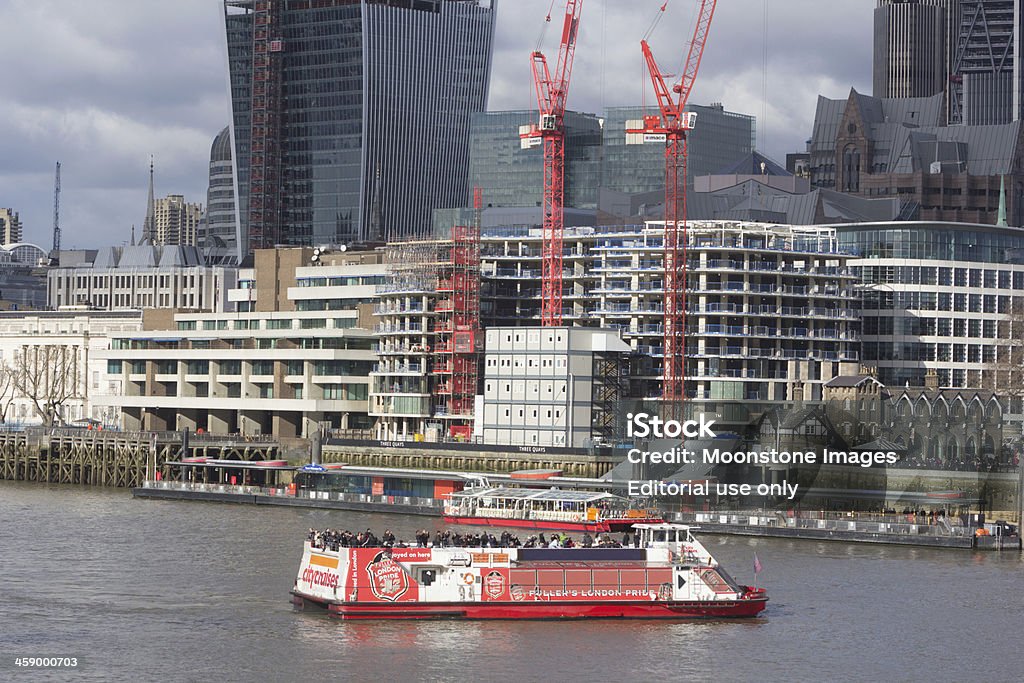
[102, 84]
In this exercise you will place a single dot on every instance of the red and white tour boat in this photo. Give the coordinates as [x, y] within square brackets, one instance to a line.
[670, 576]
[545, 509]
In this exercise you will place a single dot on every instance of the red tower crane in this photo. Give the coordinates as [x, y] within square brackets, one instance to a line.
[550, 131]
[671, 127]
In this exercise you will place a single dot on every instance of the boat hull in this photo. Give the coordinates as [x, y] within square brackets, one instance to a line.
[603, 526]
[597, 609]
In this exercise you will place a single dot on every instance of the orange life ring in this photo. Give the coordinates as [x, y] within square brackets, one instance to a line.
[468, 579]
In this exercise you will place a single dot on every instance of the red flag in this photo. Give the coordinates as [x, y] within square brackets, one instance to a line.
[757, 564]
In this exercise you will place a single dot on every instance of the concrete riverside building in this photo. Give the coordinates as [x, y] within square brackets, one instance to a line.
[136, 277]
[295, 357]
[936, 299]
[72, 342]
[552, 386]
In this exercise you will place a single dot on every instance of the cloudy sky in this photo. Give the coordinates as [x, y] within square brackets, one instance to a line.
[101, 85]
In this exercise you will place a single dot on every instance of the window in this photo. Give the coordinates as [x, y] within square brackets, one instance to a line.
[346, 392]
[263, 367]
[313, 323]
[231, 367]
[279, 324]
[198, 367]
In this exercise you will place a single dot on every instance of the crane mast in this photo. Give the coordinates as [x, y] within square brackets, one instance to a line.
[550, 132]
[671, 126]
[55, 251]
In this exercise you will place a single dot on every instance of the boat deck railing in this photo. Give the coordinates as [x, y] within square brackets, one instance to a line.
[282, 492]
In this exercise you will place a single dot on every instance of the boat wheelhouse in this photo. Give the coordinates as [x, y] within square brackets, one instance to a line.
[596, 511]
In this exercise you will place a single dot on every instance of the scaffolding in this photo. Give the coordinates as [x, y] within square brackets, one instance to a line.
[457, 328]
[265, 149]
[413, 266]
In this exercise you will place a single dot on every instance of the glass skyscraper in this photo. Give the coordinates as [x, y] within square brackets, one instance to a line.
[370, 117]
[512, 176]
[218, 228]
[596, 154]
[720, 139]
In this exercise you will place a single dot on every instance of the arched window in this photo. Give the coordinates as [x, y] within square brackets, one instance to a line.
[851, 169]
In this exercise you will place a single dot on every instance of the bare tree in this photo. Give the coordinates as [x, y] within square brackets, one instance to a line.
[7, 390]
[1005, 373]
[48, 376]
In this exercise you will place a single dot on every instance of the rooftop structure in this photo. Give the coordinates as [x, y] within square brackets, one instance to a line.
[877, 147]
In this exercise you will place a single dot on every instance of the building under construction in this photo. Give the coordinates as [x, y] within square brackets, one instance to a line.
[769, 314]
[429, 335]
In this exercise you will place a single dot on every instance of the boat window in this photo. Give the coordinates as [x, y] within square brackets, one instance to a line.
[659, 536]
[426, 576]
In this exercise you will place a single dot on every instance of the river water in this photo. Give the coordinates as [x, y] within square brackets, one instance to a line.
[148, 590]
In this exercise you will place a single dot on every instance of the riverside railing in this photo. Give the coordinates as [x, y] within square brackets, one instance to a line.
[899, 525]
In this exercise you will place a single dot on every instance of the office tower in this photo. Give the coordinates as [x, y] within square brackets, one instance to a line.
[345, 110]
[986, 71]
[720, 138]
[220, 229]
[509, 175]
[910, 48]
